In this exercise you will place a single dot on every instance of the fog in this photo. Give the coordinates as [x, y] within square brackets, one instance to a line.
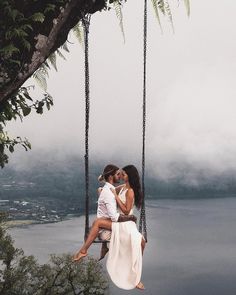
[191, 98]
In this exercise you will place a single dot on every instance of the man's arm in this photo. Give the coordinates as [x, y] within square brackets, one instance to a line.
[124, 218]
[112, 209]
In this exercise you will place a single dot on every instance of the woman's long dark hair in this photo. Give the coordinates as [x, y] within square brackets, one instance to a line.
[134, 181]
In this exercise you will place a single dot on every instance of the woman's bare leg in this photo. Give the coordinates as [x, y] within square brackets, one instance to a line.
[97, 225]
[140, 285]
[143, 244]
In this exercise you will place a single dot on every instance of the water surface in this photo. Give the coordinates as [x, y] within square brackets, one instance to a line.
[191, 246]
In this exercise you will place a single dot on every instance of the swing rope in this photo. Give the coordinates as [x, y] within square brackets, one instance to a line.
[86, 23]
[142, 221]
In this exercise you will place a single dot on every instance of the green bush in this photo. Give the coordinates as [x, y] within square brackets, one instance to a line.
[23, 275]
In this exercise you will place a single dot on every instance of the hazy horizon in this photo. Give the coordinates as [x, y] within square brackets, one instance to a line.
[190, 96]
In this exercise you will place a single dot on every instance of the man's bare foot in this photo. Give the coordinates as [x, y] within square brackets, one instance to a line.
[104, 251]
[140, 286]
[79, 256]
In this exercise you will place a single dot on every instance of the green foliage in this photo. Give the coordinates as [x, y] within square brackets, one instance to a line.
[6, 143]
[9, 50]
[23, 275]
[42, 73]
[21, 22]
[119, 14]
[158, 5]
[168, 13]
[78, 30]
[19, 106]
[163, 7]
[65, 277]
[187, 5]
[38, 17]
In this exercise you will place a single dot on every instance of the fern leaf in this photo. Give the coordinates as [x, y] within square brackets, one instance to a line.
[187, 5]
[15, 33]
[14, 13]
[169, 14]
[9, 50]
[117, 6]
[17, 62]
[46, 64]
[50, 8]
[65, 47]
[161, 5]
[53, 60]
[155, 7]
[26, 44]
[78, 30]
[40, 76]
[26, 26]
[60, 54]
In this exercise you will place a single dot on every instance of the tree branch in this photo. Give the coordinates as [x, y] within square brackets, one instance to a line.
[45, 45]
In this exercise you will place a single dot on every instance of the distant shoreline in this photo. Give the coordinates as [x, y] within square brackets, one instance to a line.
[19, 223]
[26, 222]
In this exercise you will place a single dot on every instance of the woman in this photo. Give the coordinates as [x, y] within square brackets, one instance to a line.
[125, 234]
[124, 263]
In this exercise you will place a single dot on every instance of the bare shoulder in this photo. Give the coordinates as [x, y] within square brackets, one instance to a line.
[130, 193]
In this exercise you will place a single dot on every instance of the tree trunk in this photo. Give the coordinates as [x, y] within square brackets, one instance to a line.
[45, 38]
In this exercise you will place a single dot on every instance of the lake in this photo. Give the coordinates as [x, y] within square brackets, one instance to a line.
[191, 247]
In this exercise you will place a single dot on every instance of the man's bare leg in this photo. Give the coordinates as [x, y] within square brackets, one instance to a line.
[97, 224]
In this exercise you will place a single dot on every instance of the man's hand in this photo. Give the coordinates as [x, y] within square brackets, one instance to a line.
[115, 194]
[124, 218]
[113, 191]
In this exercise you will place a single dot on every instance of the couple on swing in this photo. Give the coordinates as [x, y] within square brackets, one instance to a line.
[115, 214]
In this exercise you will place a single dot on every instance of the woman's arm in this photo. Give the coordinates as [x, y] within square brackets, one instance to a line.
[119, 187]
[127, 206]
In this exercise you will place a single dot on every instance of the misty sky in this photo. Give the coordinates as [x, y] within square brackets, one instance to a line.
[191, 97]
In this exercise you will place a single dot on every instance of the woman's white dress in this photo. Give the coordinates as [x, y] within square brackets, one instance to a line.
[124, 262]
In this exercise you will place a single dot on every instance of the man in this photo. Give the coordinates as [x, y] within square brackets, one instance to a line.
[106, 212]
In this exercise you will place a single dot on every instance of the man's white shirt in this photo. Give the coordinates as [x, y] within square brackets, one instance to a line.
[107, 207]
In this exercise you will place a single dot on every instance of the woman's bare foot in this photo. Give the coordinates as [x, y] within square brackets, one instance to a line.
[140, 286]
[104, 251]
[79, 255]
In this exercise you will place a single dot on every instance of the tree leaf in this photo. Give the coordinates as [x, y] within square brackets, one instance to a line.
[26, 111]
[9, 50]
[156, 7]
[53, 60]
[119, 15]
[187, 5]
[78, 30]
[11, 148]
[38, 17]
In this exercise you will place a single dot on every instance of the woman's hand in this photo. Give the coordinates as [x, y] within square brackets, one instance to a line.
[127, 206]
